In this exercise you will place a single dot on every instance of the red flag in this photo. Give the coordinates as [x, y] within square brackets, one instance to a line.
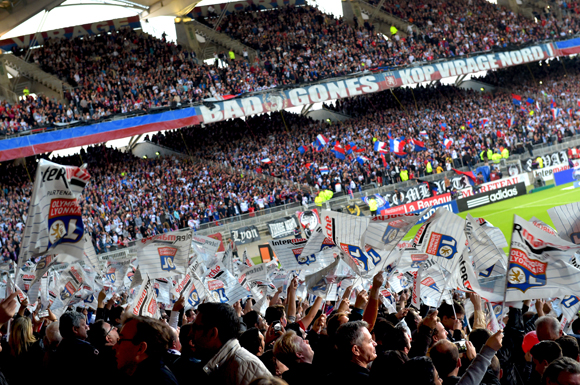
[384, 161]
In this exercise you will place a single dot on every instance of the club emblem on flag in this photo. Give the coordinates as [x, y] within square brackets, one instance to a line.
[418, 259]
[193, 298]
[442, 246]
[524, 272]
[430, 282]
[110, 275]
[303, 259]
[64, 221]
[390, 78]
[390, 234]
[67, 291]
[166, 255]
[217, 290]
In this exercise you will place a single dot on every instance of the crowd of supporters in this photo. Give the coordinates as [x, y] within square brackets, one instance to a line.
[129, 198]
[293, 342]
[474, 121]
[127, 71]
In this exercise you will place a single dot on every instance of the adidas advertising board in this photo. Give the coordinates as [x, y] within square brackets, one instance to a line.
[493, 196]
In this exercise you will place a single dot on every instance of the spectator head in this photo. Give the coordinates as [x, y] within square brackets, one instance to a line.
[215, 324]
[190, 315]
[291, 349]
[268, 381]
[423, 371]
[276, 313]
[478, 337]
[103, 333]
[140, 338]
[334, 323]
[73, 325]
[439, 333]
[21, 335]
[543, 353]
[390, 337]
[253, 341]
[563, 371]
[495, 368]
[576, 326]
[449, 313]
[569, 346]
[274, 365]
[548, 328]
[254, 319]
[186, 339]
[355, 343]
[445, 356]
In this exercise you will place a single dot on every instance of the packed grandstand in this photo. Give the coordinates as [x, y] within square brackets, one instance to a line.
[366, 212]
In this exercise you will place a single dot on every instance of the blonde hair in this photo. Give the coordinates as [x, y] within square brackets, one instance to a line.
[21, 336]
[286, 347]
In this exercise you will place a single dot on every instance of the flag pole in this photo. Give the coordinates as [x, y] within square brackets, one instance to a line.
[507, 270]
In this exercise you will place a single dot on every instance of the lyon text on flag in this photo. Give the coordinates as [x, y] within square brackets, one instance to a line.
[164, 255]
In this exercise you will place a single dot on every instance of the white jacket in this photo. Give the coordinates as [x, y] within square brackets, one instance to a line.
[234, 365]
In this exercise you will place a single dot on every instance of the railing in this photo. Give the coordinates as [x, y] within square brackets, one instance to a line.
[8, 94]
[34, 72]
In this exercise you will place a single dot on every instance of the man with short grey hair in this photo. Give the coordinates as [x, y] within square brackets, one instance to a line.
[356, 348]
[548, 328]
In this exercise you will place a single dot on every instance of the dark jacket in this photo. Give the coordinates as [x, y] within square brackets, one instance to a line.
[349, 373]
[303, 374]
[74, 357]
[151, 371]
[184, 368]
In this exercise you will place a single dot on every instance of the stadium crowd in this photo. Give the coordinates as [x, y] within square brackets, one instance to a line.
[128, 71]
[129, 198]
[293, 342]
[472, 122]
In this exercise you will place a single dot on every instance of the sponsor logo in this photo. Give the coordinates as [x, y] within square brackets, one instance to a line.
[430, 282]
[64, 221]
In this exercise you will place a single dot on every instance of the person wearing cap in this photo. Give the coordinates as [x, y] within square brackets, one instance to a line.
[530, 339]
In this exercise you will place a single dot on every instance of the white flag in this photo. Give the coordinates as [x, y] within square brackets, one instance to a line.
[145, 303]
[484, 252]
[432, 286]
[443, 237]
[494, 233]
[290, 253]
[567, 221]
[570, 306]
[54, 223]
[384, 232]
[164, 255]
[192, 288]
[416, 295]
[538, 265]
[464, 279]
[543, 226]
[206, 245]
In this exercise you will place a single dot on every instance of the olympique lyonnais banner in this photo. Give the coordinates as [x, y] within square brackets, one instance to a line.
[71, 32]
[277, 100]
[418, 205]
[242, 5]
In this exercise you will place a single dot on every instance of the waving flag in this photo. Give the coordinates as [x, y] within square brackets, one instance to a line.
[419, 145]
[309, 166]
[164, 255]
[552, 104]
[303, 149]
[317, 146]
[529, 101]
[398, 147]
[385, 232]
[469, 174]
[484, 252]
[362, 159]
[54, 223]
[381, 146]
[469, 124]
[323, 170]
[566, 219]
[570, 112]
[483, 122]
[510, 122]
[339, 151]
[266, 160]
[424, 134]
[555, 112]
[322, 140]
[538, 264]
[570, 306]
[443, 126]
[517, 99]
[145, 303]
[447, 143]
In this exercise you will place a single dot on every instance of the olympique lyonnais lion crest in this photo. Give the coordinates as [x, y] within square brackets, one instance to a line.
[525, 273]
[303, 259]
[442, 246]
[275, 101]
[166, 256]
[193, 298]
[64, 221]
[67, 291]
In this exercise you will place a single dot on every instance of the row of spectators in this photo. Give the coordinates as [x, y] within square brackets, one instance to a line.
[472, 121]
[129, 198]
[127, 71]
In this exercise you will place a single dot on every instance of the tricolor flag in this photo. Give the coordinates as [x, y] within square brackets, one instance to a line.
[339, 151]
[469, 174]
[322, 140]
[484, 122]
[323, 170]
[424, 134]
[303, 149]
[443, 126]
[362, 159]
[54, 224]
[510, 122]
[570, 112]
[555, 112]
[309, 166]
[381, 146]
[266, 160]
[397, 146]
[469, 124]
[530, 101]
[552, 104]
[419, 145]
[517, 99]
[447, 142]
